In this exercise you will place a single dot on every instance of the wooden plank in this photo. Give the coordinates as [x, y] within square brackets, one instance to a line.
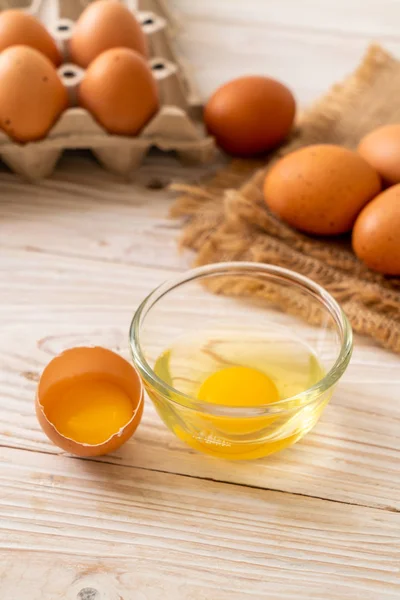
[352, 455]
[70, 525]
[77, 254]
[366, 18]
[107, 218]
[309, 62]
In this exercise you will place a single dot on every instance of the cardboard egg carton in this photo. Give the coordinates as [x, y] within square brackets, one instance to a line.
[175, 127]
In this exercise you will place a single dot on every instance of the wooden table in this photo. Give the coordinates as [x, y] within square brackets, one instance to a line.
[156, 520]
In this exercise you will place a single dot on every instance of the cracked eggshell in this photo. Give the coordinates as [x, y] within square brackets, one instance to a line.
[80, 361]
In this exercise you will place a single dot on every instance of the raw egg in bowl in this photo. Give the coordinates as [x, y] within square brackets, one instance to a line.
[247, 370]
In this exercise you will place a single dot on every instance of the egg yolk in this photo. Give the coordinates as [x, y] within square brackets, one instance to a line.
[90, 411]
[238, 386]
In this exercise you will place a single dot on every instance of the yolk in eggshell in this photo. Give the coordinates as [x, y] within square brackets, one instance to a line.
[89, 411]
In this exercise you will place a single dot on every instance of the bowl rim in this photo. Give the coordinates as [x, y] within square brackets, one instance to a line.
[241, 267]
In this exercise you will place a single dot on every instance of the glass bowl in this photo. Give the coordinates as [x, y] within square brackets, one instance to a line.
[256, 323]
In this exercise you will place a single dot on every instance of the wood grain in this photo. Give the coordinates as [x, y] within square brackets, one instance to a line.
[352, 456]
[138, 535]
[108, 218]
[308, 47]
[156, 520]
[347, 19]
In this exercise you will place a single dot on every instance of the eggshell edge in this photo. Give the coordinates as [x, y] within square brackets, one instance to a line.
[90, 450]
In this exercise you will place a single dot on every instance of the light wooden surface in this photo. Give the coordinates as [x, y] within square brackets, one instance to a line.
[156, 521]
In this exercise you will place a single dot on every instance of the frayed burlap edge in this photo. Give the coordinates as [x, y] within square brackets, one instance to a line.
[227, 219]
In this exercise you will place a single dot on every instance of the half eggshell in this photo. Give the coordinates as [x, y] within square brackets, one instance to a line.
[75, 363]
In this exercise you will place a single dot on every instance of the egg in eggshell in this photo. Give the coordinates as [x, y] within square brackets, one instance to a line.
[320, 189]
[250, 115]
[381, 149]
[18, 27]
[119, 90]
[105, 24]
[32, 96]
[376, 233]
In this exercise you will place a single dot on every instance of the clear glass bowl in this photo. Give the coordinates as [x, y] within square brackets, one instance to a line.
[248, 314]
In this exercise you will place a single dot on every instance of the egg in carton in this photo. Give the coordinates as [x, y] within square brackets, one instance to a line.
[175, 127]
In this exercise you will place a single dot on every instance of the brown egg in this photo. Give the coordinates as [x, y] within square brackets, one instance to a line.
[250, 115]
[376, 233]
[32, 96]
[89, 401]
[381, 149]
[105, 24]
[120, 91]
[320, 189]
[19, 28]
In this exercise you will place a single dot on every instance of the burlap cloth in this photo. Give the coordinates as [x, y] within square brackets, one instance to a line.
[227, 219]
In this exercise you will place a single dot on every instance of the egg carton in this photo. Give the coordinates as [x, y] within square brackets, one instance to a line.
[175, 127]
